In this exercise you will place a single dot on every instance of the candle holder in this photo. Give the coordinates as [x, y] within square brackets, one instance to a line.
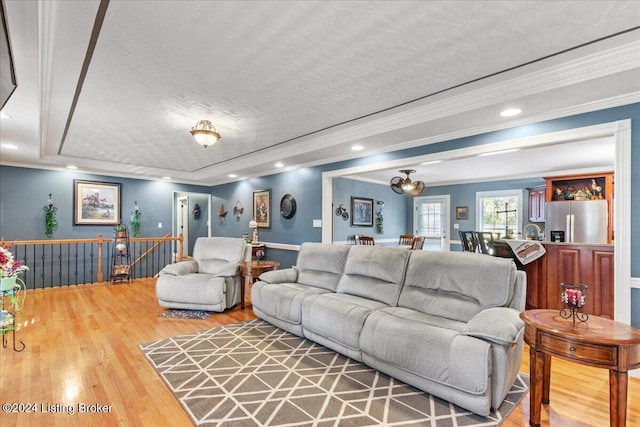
[574, 298]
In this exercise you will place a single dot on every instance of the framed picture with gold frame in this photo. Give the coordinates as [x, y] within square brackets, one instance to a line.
[462, 212]
[262, 208]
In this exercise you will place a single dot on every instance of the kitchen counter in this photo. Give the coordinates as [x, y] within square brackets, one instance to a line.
[576, 244]
[578, 263]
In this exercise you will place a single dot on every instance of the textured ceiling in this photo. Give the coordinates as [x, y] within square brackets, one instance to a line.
[280, 80]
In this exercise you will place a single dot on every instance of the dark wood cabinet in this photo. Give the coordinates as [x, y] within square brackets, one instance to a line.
[537, 200]
[591, 265]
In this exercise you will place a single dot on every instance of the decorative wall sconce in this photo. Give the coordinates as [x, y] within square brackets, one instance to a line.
[379, 217]
[51, 223]
[238, 210]
[135, 219]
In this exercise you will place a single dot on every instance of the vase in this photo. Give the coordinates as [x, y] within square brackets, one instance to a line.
[7, 283]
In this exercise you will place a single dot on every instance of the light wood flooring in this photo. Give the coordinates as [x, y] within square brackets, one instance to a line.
[82, 349]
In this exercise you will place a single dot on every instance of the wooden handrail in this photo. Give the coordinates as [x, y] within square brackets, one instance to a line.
[148, 251]
[100, 241]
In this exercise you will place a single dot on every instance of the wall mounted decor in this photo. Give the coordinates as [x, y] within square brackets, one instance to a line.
[50, 221]
[361, 211]
[262, 208]
[288, 206]
[197, 211]
[222, 214]
[96, 203]
[342, 211]
[380, 217]
[462, 212]
[238, 210]
[135, 219]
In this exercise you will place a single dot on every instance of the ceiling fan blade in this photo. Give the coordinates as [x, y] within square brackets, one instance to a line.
[396, 184]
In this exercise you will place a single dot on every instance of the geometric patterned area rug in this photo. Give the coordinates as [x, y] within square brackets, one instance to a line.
[254, 374]
[184, 314]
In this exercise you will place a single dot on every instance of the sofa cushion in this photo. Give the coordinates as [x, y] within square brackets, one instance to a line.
[337, 317]
[282, 301]
[214, 253]
[439, 354]
[457, 285]
[321, 264]
[375, 273]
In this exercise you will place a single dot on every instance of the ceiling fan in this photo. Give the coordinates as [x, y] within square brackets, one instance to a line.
[405, 185]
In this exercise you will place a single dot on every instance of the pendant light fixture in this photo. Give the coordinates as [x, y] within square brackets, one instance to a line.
[405, 185]
[205, 133]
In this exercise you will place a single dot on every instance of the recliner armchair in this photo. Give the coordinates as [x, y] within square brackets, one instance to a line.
[210, 281]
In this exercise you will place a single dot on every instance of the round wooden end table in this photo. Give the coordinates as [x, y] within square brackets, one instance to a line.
[250, 270]
[598, 342]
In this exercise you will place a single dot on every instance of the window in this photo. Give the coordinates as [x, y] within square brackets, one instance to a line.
[491, 215]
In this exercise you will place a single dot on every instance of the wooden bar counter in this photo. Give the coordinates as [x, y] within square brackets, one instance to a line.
[588, 264]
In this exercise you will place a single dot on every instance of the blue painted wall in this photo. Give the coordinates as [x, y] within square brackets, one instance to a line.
[24, 193]
[393, 213]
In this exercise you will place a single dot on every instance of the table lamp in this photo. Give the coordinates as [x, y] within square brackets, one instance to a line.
[253, 224]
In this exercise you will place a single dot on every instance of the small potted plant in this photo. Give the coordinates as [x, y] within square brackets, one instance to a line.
[120, 230]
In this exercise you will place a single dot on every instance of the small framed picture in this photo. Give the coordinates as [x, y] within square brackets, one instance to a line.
[262, 208]
[96, 203]
[462, 212]
[361, 211]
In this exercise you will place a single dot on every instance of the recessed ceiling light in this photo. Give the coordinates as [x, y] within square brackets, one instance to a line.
[166, 177]
[491, 153]
[279, 165]
[4, 116]
[233, 175]
[357, 147]
[9, 146]
[510, 112]
[72, 167]
[431, 162]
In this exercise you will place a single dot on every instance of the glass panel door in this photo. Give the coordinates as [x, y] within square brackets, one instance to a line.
[431, 220]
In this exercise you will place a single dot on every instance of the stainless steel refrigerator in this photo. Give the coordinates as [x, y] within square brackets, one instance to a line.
[577, 222]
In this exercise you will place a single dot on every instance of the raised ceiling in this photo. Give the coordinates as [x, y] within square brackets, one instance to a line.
[114, 87]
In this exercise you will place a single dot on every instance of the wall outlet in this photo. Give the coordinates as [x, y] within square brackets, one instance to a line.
[317, 223]
[456, 226]
[159, 225]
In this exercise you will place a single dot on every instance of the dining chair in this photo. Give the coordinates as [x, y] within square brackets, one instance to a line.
[366, 240]
[405, 240]
[469, 241]
[417, 243]
[485, 242]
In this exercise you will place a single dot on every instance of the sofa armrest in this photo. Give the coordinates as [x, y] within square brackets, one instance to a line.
[180, 268]
[287, 275]
[500, 325]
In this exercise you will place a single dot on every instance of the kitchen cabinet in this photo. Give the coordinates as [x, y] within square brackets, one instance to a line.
[537, 200]
[591, 265]
[584, 188]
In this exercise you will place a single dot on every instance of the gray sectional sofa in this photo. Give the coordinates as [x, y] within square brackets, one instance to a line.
[446, 323]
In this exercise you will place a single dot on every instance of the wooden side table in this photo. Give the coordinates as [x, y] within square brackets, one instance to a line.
[252, 269]
[598, 342]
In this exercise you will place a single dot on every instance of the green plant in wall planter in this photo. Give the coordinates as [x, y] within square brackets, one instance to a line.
[50, 221]
[379, 218]
[135, 220]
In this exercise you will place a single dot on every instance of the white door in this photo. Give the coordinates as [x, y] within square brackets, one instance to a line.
[182, 222]
[431, 220]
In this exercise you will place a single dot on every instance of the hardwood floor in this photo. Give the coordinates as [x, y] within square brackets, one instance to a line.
[82, 349]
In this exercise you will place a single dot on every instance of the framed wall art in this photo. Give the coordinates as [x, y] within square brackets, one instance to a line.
[96, 203]
[262, 208]
[462, 212]
[361, 211]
